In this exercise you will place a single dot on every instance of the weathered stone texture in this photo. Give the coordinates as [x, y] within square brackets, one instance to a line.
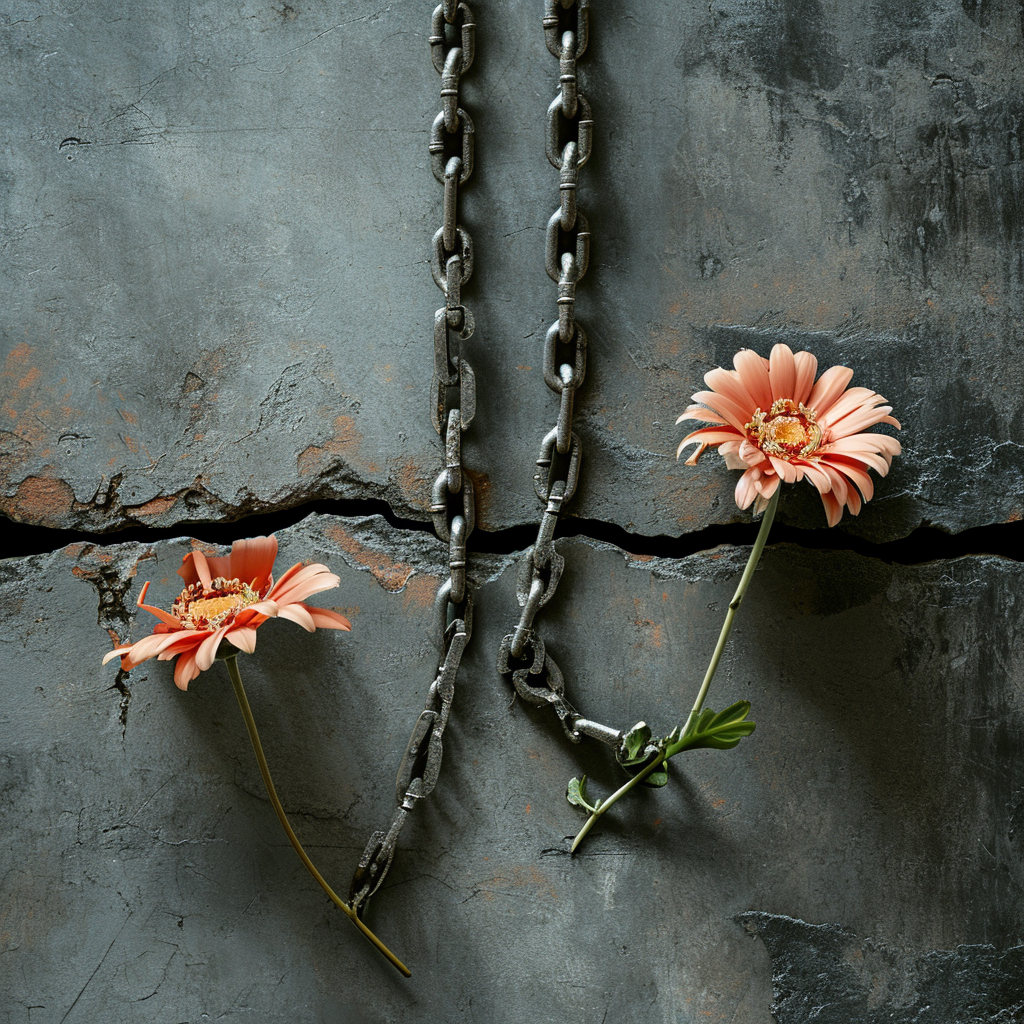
[145, 877]
[217, 221]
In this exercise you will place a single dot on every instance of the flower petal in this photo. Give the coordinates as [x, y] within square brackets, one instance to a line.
[839, 485]
[730, 384]
[708, 436]
[859, 419]
[746, 488]
[831, 384]
[115, 653]
[818, 477]
[165, 617]
[853, 502]
[700, 412]
[782, 372]
[324, 618]
[311, 579]
[195, 568]
[806, 368]
[243, 637]
[252, 562]
[833, 508]
[185, 670]
[733, 412]
[768, 484]
[298, 613]
[753, 371]
[751, 454]
[208, 649]
[785, 469]
[854, 471]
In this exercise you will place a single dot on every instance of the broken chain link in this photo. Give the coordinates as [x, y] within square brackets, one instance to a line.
[569, 143]
[453, 406]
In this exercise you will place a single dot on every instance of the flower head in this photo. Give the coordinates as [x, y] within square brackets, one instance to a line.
[227, 598]
[776, 423]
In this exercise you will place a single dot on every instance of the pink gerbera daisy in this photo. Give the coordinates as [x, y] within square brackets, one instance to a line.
[227, 598]
[775, 422]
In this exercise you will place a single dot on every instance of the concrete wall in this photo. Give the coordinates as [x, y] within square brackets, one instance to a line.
[218, 307]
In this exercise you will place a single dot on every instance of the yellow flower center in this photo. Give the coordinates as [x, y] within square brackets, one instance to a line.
[211, 607]
[788, 431]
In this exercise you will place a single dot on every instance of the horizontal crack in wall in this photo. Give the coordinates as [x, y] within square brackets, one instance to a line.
[925, 544]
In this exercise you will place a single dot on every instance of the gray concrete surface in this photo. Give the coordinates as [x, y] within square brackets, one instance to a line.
[217, 221]
[146, 878]
[213, 252]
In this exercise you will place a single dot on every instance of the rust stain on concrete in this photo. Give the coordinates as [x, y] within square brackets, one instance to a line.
[156, 506]
[393, 576]
[346, 442]
[41, 500]
[420, 591]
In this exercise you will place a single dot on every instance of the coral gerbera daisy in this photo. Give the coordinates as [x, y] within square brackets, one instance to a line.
[775, 422]
[227, 598]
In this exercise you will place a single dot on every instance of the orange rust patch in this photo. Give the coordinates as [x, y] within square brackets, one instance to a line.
[530, 877]
[128, 417]
[41, 499]
[17, 355]
[130, 443]
[651, 631]
[411, 479]
[420, 591]
[346, 441]
[156, 506]
[391, 575]
[30, 378]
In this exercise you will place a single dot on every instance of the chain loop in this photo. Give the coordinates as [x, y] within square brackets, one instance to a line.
[552, 21]
[453, 406]
[554, 254]
[584, 121]
[534, 674]
[439, 260]
[439, 145]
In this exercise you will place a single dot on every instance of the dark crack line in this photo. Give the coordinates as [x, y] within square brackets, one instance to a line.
[925, 544]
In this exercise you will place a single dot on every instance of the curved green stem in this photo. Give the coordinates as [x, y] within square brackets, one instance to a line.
[716, 657]
[250, 724]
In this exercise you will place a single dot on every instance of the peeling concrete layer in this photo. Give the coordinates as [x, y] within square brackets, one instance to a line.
[145, 878]
[217, 221]
[830, 975]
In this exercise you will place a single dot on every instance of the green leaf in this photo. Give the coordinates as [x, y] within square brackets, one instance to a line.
[576, 794]
[658, 777]
[634, 744]
[720, 730]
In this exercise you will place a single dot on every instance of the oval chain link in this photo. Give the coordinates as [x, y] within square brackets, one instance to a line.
[453, 406]
[569, 143]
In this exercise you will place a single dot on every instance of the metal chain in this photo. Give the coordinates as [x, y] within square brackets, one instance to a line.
[522, 654]
[453, 405]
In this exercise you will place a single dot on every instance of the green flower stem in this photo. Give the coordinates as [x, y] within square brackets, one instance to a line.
[681, 743]
[250, 724]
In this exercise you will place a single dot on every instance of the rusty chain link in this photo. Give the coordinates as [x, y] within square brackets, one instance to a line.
[453, 406]
[569, 143]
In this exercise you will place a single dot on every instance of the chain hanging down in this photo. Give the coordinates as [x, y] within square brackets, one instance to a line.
[522, 654]
[453, 405]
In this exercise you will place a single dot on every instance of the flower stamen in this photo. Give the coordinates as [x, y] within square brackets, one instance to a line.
[788, 431]
[200, 607]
